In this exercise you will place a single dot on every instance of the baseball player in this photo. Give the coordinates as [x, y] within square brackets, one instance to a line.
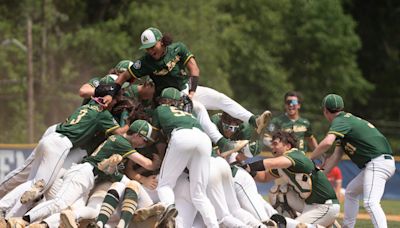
[52, 150]
[368, 149]
[165, 63]
[79, 179]
[245, 186]
[188, 147]
[322, 206]
[291, 121]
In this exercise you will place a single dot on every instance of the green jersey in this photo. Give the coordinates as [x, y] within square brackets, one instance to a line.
[85, 122]
[310, 183]
[168, 118]
[300, 127]
[359, 139]
[169, 71]
[115, 144]
[244, 132]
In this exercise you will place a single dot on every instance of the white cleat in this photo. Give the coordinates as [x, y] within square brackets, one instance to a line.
[67, 219]
[262, 121]
[142, 214]
[33, 193]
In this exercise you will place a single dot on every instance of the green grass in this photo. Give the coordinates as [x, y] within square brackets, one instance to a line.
[391, 207]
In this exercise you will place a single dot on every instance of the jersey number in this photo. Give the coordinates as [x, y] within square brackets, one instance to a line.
[178, 112]
[82, 113]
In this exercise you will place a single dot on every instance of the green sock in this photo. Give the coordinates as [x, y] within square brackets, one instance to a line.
[129, 205]
[252, 121]
[108, 206]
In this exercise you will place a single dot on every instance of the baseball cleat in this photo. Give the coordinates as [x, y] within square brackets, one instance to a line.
[270, 224]
[262, 121]
[301, 225]
[67, 219]
[110, 165]
[169, 214]
[3, 222]
[142, 214]
[17, 222]
[39, 225]
[33, 193]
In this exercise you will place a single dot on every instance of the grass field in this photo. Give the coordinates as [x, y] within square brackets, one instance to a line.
[391, 207]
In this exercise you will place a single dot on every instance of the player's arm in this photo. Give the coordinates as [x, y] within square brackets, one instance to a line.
[149, 182]
[333, 160]
[194, 73]
[312, 142]
[116, 86]
[86, 90]
[323, 146]
[264, 176]
[144, 161]
[270, 163]
[120, 130]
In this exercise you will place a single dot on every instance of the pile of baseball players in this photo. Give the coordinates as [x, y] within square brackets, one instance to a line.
[147, 154]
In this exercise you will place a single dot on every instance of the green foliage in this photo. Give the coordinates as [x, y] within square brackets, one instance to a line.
[254, 51]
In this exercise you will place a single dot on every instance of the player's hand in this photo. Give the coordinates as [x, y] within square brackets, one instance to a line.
[107, 100]
[191, 95]
[150, 182]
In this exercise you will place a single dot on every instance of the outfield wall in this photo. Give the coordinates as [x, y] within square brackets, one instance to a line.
[14, 155]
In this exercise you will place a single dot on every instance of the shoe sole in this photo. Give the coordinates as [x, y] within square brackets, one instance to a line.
[145, 213]
[67, 221]
[170, 212]
[33, 193]
[264, 123]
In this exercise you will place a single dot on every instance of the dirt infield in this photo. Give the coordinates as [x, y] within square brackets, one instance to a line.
[393, 218]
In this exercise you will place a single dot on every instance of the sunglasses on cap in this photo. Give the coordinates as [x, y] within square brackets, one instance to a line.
[292, 102]
[231, 128]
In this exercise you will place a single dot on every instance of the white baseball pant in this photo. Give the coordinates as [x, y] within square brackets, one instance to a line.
[249, 198]
[189, 148]
[209, 99]
[371, 183]
[50, 155]
[21, 174]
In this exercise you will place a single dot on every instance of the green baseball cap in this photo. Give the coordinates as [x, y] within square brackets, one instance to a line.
[110, 78]
[150, 37]
[171, 93]
[123, 65]
[333, 102]
[143, 128]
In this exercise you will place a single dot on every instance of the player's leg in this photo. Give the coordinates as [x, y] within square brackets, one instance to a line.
[129, 203]
[175, 161]
[214, 100]
[21, 174]
[204, 119]
[321, 214]
[78, 181]
[110, 203]
[351, 201]
[377, 172]
[183, 202]
[248, 196]
[216, 193]
[199, 171]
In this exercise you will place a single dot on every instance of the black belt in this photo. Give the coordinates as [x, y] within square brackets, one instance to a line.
[388, 157]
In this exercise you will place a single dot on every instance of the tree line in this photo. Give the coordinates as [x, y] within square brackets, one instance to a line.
[254, 51]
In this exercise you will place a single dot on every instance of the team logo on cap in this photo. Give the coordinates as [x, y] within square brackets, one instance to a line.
[96, 83]
[142, 132]
[137, 64]
[145, 39]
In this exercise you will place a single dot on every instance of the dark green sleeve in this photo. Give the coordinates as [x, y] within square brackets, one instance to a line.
[139, 69]
[107, 122]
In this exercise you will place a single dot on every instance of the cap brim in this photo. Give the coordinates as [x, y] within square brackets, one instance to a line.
[149, 45]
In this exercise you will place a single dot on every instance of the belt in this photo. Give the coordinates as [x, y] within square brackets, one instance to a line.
[388, 157]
